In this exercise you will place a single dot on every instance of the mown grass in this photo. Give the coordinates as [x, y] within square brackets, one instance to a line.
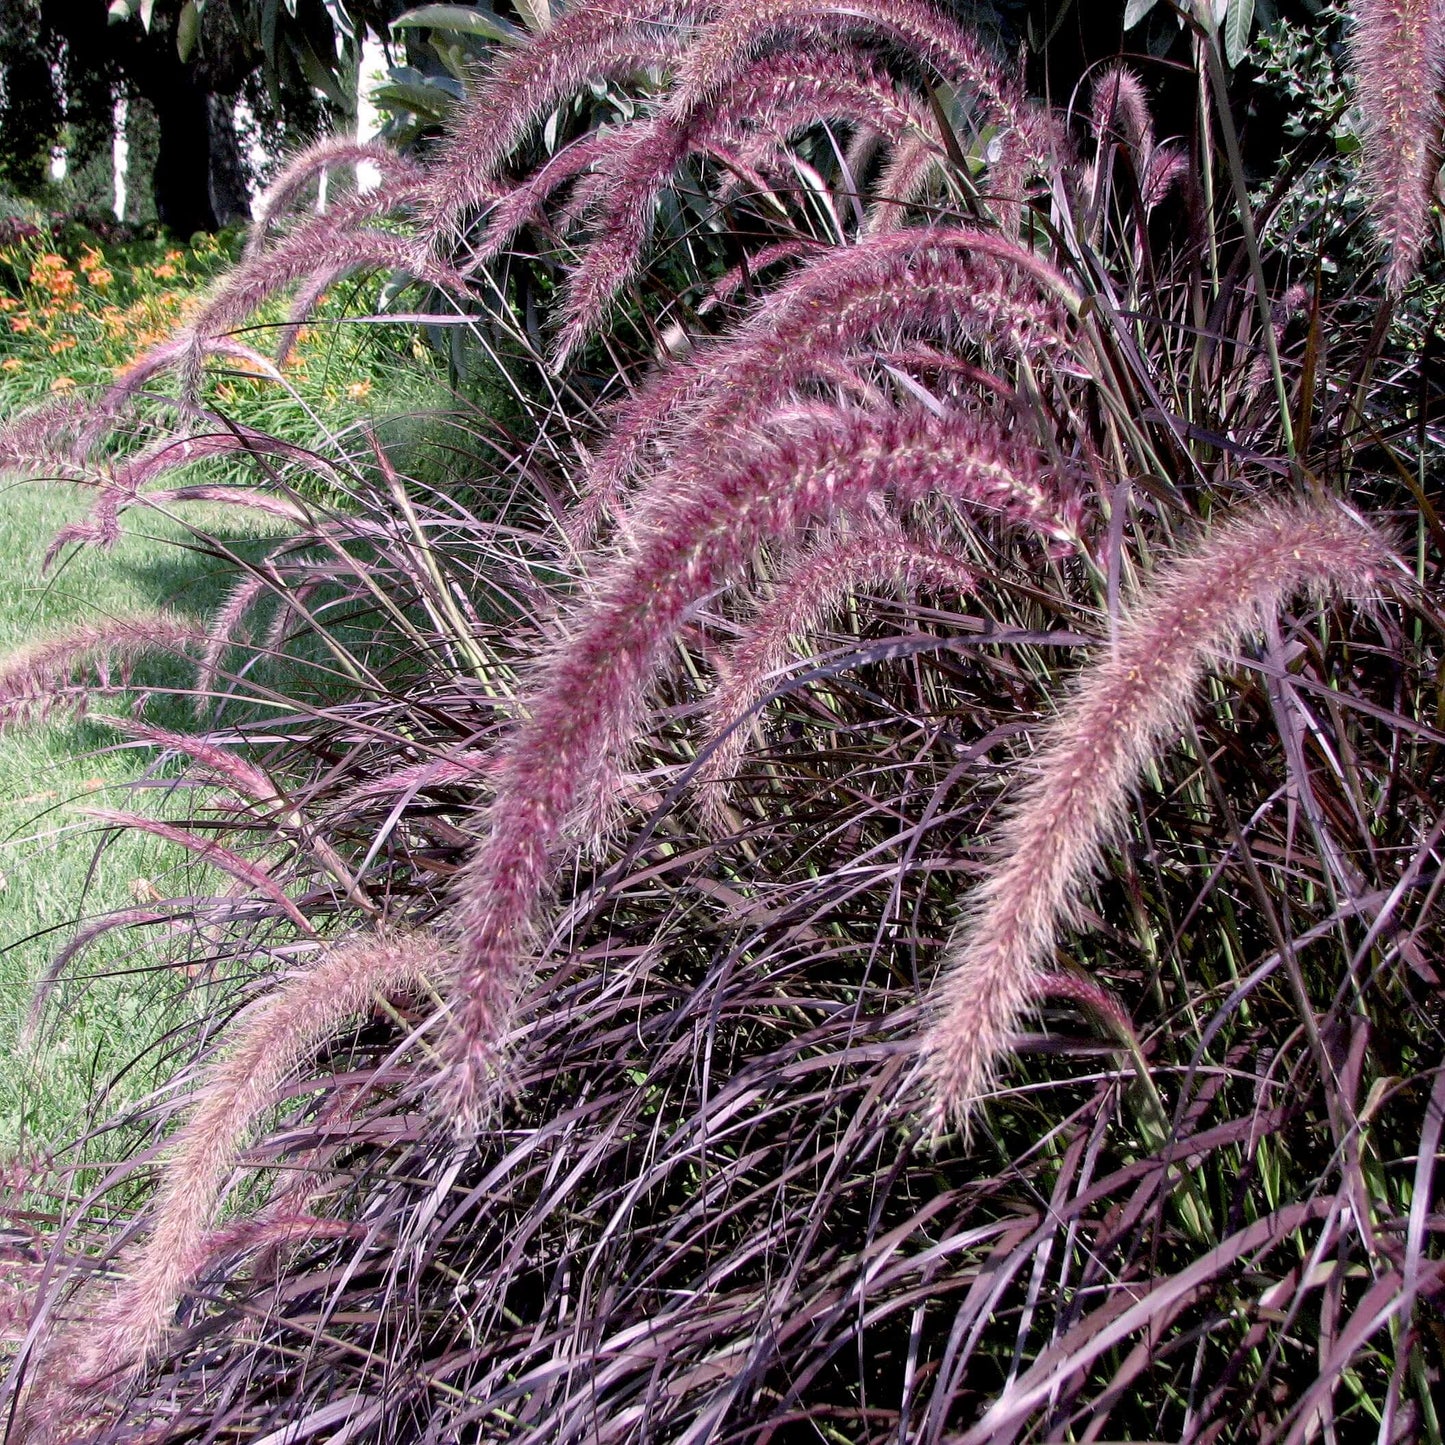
[54, 874]
[74, 314]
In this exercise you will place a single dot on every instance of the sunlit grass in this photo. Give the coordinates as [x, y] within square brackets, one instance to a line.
[53, 872]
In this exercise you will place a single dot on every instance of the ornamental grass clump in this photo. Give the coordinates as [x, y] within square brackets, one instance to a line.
[618, 1091]
[1072, 805]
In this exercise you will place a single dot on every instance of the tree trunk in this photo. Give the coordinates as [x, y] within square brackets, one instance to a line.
[230, 199]
[183, 158]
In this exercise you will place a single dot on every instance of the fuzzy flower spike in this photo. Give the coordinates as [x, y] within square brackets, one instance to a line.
[1398, 50]
[819, 464]
[607, 38]
[95, 1355]
[1126, 705]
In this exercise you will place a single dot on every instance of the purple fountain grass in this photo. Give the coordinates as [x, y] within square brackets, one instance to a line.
[325, 247]
[793, 471]
[243, 870]
[961, 283]
[1119, 111]
[1118, 116]
[107, 1342]
[523, 204]
[732, 41]
[1168, 167]
[862, 559]
[42, 675]
[48, 440]
[1075, 801]
[221, 631]
[735, 278]
[401, 177]
[1398, 52]
[470, 766]
[105, 411]
[244, 778]
[780, 94]
[101, 525]
[595, 41]
[902, 182]
[251, 785]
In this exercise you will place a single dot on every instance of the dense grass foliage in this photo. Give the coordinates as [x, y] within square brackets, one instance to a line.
[849, 846]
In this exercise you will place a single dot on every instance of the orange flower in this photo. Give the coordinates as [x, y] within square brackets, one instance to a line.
[22, 324]
[12, 363]
[164, 271]
[359, 390]
[64, 344]
[62, 383]
[100, 278]
[91, 260]
[175, 255]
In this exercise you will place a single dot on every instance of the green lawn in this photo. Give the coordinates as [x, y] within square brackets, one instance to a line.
[51, 874]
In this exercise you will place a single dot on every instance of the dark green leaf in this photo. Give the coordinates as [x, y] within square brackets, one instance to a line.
[462, 19]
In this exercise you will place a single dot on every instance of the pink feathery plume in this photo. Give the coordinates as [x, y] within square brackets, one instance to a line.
[733, 40]
[325, 246]
[221, 632]
[48, 440]
[43, 675]
[958, 282]
[242, 776]
[902, 182]
[1119, 111]
[250, 784]
[247, 497]
[737, 277]
[779, 95]
[468, 766]
[792, 471]
[184, 347]
[243, 870]
[108, 1342]
[1137, 695]
[607, 39]
[1168, 168]
[863, 559]
[523, 204]
[400, 177]
[101, 525]
[1398, 50]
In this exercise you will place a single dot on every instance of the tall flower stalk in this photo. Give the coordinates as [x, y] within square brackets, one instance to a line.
[1398, 49]
[1075, 801]
[699, 537]
[110, 1338]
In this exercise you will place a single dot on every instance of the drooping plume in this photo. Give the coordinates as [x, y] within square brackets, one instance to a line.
[601, 40]
[98, 1353]
[957, 282]
[777, 96]
[101, 525]
[741, 32]
[1125, 706]
[864, 558]
[401, 177]
[41, 676]
[1398, 50]
[798, 468]
[326, 247]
